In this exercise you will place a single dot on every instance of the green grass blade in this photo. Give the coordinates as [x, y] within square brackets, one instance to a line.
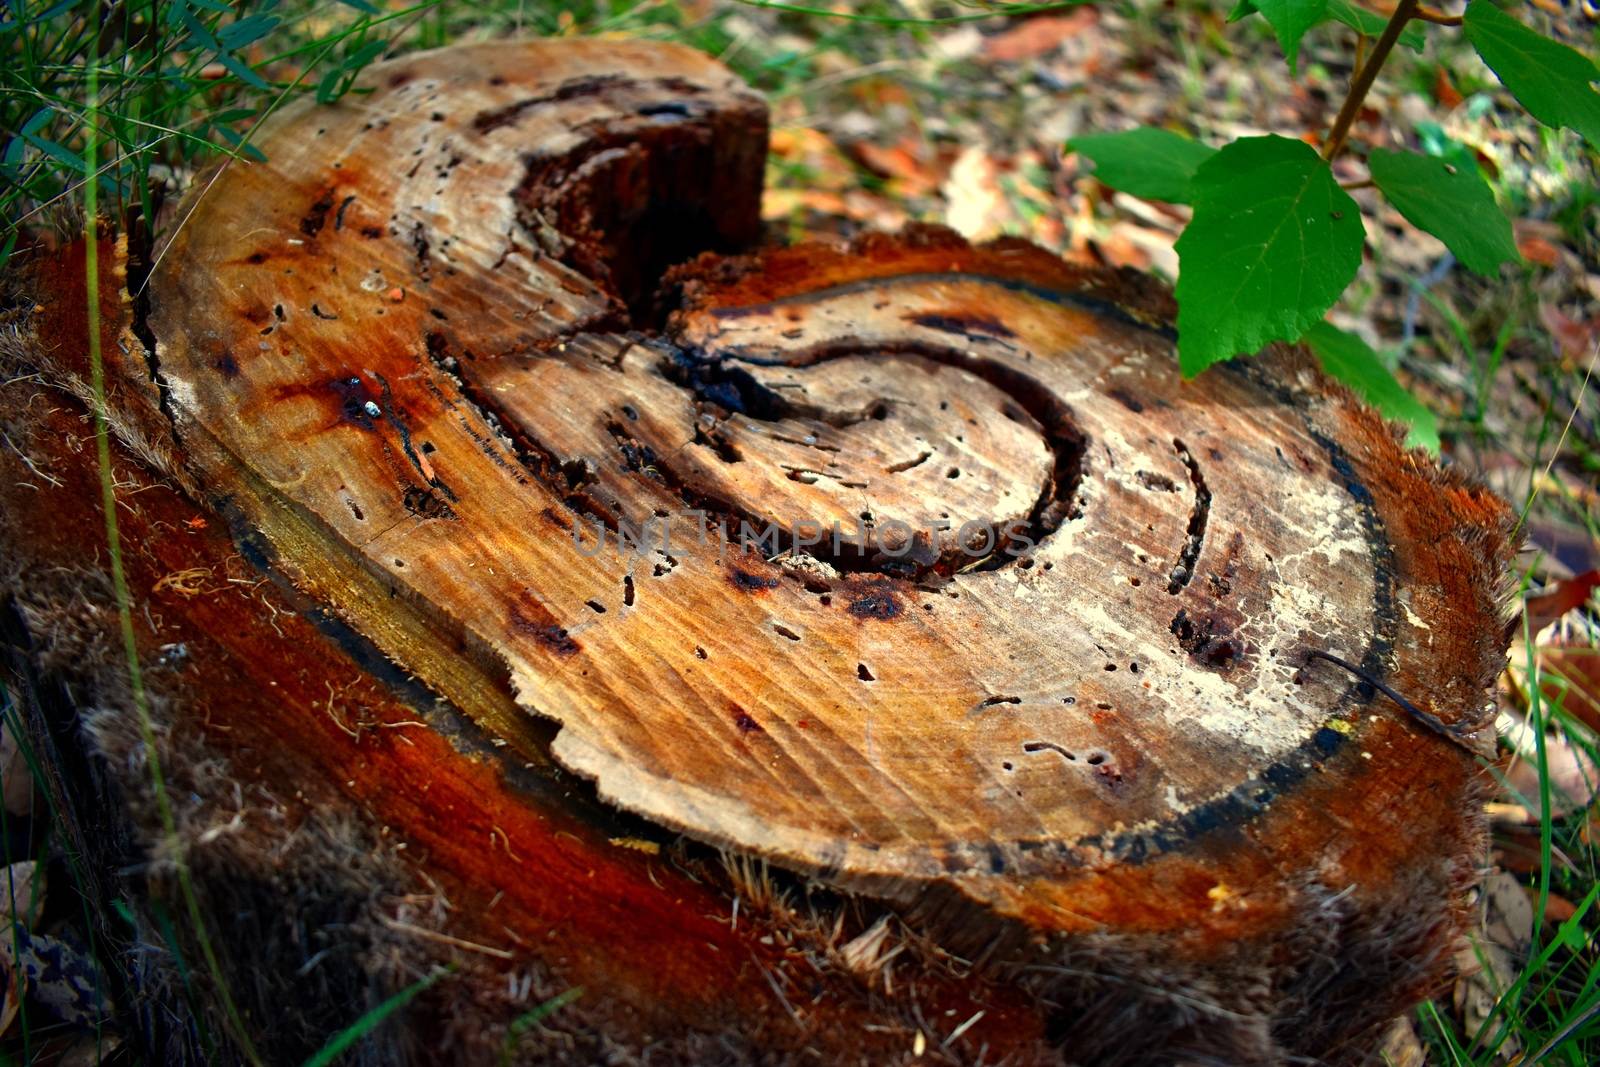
[529, 1019]
[344, 1039]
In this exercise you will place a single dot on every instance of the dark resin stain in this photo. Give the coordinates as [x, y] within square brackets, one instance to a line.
[965, 323]
[529, 617]
[751, 583]
[1209, 639]
[881, 605]
[315, 218]
[357, 402]
[426, 503]
[1126, 399]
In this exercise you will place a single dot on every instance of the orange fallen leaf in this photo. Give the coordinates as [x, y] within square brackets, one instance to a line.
[1444, 90]
[910, 164]
[1567, 595]
[1038, 36]
[1575, 338]
[1569, 677]
[1538, 250]
[1558, 910]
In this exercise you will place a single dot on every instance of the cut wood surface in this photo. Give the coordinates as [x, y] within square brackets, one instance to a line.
[908, 566]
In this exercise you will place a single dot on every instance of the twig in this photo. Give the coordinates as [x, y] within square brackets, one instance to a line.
[446, 939]
[1362, 82]
[1453, 734]
[1438, 18]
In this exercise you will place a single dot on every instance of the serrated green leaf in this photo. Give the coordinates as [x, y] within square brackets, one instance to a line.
[1290, 19]
[1272, 244]
[1555, 83]
[1453, 203]
[1349, 359]
[1371, 23]
[1147, 162]
[1356, 17]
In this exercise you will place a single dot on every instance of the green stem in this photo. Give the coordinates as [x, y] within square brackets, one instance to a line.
[119, 581]
[1366, 75]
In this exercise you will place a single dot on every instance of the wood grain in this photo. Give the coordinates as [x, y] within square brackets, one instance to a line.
[1048, 689]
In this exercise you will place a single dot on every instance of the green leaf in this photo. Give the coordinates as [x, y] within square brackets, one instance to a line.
[246, 31]
[1349, 359]
[1290, 20]
[1451, 202]
[1356, 17]
[231, 62]
[1555, 83]
[1371, 23]
[1272, 244]
[1147, 162]
[57, 152]
[248, 151]
[1435, 142]
[337, 81]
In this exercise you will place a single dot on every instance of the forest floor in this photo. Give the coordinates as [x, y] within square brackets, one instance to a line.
[881, 118]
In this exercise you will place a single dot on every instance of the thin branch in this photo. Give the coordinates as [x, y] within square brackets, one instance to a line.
[1362, 82]
[1438, 18]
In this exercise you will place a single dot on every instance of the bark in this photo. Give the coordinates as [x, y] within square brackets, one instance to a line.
[980, 689]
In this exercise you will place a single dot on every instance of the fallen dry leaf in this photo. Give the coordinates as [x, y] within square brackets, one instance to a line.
[1569, 677]
[21, 894]
[1558, 909]
[1037, 36]
[10, 996]
[975, 202]
[1400, 1047]
[62, 978]
[1574, 778]
[912, 165]
[1575, 338]
[1444, 90]
[1490, 962]
[16, 780]
[1537, 241]
[1538, 250]
[21, 900]
[1568, 595]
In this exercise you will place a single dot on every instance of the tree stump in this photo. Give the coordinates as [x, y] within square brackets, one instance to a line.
[867, 651]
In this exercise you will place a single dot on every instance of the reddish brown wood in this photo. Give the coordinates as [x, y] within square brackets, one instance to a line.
[1099, 791]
